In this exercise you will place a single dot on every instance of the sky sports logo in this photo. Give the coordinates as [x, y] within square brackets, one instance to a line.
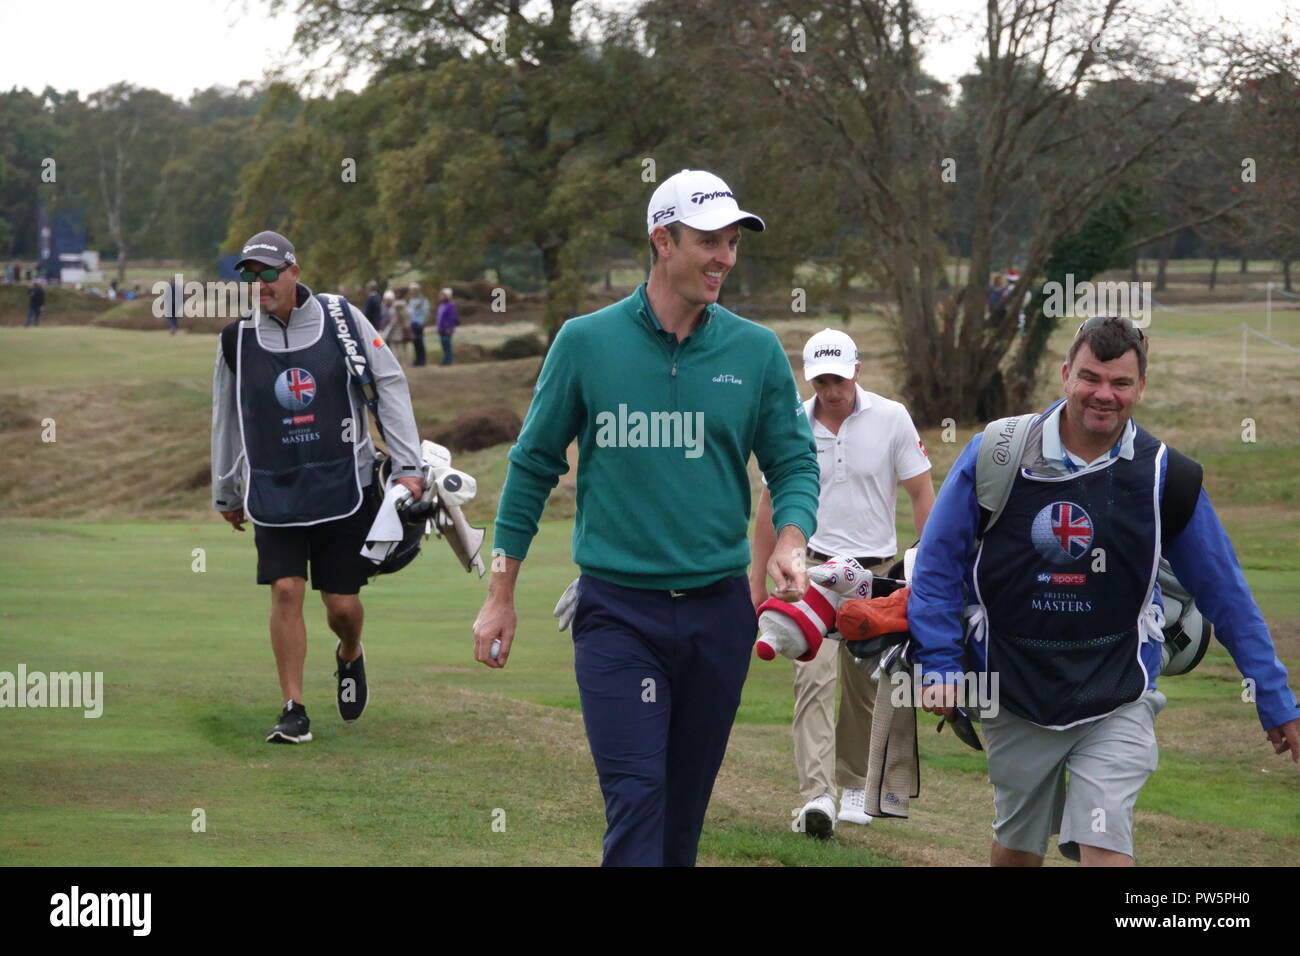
[77, 909]
[1046, 577]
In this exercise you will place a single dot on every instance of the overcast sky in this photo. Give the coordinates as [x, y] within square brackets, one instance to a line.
[178, 47]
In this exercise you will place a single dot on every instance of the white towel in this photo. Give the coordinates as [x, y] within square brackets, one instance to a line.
[893, 763]
[386, 531]
[1151, 625]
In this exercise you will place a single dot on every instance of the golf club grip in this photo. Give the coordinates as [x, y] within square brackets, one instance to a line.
[417, 512]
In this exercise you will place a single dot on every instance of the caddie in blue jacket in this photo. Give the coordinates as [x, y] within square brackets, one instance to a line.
[1061, 606]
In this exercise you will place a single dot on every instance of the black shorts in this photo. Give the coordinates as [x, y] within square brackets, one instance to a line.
[333, 549]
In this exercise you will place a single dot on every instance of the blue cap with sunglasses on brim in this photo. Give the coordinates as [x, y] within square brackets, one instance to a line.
[269, 249]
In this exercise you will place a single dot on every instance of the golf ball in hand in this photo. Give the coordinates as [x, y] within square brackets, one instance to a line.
[496, 647]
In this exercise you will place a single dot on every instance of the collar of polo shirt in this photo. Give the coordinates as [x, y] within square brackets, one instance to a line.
[860, 404]
[1055, 451]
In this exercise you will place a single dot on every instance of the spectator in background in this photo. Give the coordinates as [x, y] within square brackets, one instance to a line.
[385, 325]
[112, 289]
[343, 291]
[448, 319]
[1013, 279]
[373, 308]
[175, 306]
[35, 301]
[997, 291]
[400, 332]
[419, 308]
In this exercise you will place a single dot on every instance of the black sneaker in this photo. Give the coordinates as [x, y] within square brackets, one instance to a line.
[352, 691]
[293, 728]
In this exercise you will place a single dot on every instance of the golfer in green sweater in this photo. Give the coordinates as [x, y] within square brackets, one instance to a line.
[667, 394]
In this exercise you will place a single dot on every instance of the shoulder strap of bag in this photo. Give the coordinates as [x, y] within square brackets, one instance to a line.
[996, 465]
[338, 314]
[1183, 478]
[228, 336]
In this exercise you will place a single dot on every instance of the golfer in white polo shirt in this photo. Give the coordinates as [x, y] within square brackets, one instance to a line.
[866, 446]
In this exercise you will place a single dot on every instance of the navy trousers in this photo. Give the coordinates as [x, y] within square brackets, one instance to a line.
[660, 679]
[417, 339]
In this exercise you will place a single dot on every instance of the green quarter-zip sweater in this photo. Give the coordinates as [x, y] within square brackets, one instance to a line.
[665, 431]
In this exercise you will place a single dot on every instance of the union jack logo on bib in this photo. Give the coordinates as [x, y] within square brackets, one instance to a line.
[1062, 532]
[295, 388]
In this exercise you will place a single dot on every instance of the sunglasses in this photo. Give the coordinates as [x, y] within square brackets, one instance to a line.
[1098, 320]
[266, 275]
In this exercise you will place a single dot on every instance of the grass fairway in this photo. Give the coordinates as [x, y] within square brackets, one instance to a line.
[96, 574]
[190, 692]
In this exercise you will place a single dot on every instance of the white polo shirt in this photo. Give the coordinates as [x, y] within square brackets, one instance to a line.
[877, 447]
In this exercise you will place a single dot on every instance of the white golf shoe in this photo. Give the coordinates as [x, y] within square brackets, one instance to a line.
[853, 807]
[817, 818]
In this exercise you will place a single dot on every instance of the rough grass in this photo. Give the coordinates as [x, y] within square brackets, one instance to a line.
[62, 306]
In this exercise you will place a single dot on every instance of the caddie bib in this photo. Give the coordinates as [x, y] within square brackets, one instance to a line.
[1065, 578]
[296, 416]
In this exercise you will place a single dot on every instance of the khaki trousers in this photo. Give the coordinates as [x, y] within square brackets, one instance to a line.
[822, 743]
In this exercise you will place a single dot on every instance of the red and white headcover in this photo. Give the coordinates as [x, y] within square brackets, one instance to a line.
[796, 630]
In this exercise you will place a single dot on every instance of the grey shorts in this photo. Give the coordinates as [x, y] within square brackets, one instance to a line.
[1107, 761]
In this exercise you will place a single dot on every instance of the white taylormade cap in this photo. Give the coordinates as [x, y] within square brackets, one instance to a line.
[829, 352]
[700, 200]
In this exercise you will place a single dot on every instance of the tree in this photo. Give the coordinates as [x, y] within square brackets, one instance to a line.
[1066, 102]
[1101, 242]
[200, 183]
[501, 122]
[1271, 133]
[313, 177]
[123, 137]
[29, 134]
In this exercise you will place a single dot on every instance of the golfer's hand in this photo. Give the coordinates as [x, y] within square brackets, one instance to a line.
[940, 699]
[757, 595]
[787, 565]
[236, 518]
[496, 621]
[1286, 737]
[414, 485]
